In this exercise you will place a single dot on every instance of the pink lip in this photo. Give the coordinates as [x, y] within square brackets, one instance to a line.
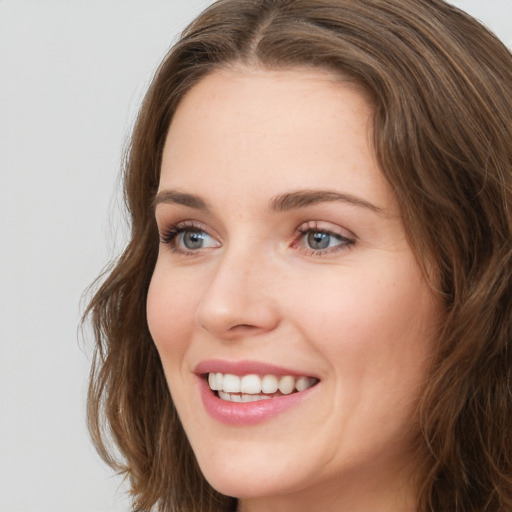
[249, 413]
[244, 368]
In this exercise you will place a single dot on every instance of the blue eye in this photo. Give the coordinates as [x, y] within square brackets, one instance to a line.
[316, 241]
[319, 240]
[188, 239]
[193, 240]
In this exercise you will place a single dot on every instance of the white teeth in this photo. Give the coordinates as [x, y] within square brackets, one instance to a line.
[211, 381]
[235, 397]
[286, 384]
[219, 379]
[215, 380]
[269, 384]
[253, 385]
[231, 383]
[250, 384]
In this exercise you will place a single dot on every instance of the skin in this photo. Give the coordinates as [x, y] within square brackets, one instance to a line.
[359, 316]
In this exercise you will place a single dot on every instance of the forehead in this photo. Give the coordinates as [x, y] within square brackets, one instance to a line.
[269, 127]
[274, 101]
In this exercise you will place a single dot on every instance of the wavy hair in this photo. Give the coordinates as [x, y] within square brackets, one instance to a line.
[441, 89]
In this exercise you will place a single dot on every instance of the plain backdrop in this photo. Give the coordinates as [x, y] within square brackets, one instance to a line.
[72, 75]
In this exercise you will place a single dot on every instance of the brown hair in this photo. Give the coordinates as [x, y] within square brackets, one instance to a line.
[441, 88]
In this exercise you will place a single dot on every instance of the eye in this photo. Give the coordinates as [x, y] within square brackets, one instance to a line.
[319, 240]
[193, 240]
[186, 239]
[316, 240]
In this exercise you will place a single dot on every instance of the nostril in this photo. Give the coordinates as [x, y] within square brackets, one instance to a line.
[241, 327]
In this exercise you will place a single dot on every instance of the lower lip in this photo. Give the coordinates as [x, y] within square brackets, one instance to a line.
[247, 413]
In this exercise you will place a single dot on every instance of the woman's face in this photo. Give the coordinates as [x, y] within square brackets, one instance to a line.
[283, 258]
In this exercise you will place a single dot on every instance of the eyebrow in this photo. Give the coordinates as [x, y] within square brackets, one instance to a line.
[181, 198]
[280, 203]
[303, 198]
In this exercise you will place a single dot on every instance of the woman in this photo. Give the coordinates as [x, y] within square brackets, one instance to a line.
[314, 309]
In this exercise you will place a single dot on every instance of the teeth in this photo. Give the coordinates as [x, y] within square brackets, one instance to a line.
[231, 383]
[250, 384]
[304, 383]
[269, 384]
[235, 397]
[241, 389]
[219, 379]
[215, 380]
[286, 384]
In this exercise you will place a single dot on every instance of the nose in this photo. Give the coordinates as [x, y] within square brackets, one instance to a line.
[239, 300]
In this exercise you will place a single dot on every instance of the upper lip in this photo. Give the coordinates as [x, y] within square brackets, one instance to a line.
[246, 368]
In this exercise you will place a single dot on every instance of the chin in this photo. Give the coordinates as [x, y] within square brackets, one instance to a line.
[252, 479]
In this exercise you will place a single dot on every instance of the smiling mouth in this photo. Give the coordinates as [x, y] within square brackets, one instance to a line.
[253, 388]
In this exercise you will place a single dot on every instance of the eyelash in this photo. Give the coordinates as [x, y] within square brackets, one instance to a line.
[313, 227]
[170, 235]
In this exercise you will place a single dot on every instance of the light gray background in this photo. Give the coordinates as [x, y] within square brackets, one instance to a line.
[72, 74]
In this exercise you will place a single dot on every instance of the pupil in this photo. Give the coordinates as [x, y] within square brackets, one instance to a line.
[193, 240]
[318, 240]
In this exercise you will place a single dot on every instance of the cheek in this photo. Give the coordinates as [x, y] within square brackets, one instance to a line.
[373, 324]
[170, 311]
